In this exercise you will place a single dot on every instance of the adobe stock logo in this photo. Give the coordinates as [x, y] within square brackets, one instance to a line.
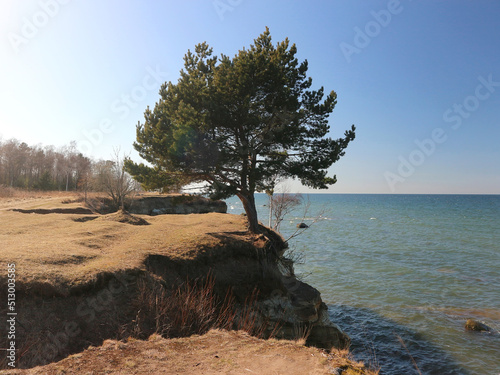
[31, 26]
[363, 37]
[223, 6]
[454, 115]
[122, 107]
[470, 104]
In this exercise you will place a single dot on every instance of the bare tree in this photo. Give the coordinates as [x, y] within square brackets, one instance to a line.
[14, 158]
[281, 205]
[64, 168]
[115, 181]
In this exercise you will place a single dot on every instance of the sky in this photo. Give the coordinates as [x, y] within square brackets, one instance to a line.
[419, 79]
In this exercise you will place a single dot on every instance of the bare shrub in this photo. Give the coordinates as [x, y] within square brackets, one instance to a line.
[281, 205]
[193, 308]
[112, 179]
[7, 191]
[302, 332]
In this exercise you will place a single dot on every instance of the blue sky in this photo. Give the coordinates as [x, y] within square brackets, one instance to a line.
[419, 79]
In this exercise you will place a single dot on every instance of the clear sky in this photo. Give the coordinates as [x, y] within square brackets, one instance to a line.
[420, 79]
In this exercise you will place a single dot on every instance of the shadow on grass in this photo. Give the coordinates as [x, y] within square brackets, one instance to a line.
[374, 340]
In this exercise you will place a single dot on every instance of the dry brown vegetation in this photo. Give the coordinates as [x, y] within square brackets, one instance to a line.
[66, 260]
[9, 194]
[61, 251]
[217, 352]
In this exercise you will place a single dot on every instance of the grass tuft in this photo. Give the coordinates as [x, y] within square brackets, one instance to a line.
[193, 308]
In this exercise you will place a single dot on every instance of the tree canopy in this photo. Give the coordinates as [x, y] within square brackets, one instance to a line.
[239, 124]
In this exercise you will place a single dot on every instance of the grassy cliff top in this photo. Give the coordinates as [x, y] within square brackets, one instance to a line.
[64, 250]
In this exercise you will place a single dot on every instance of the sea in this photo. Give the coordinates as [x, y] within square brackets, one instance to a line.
[401, 274]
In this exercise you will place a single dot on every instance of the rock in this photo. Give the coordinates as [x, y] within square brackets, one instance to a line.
[305, 299]
[302, 225]
[158, 211]
[476, 326]
[325, 334]
[175, 204]
[298, 312]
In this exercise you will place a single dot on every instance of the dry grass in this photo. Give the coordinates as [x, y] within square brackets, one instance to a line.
[216, 352]
[194, 308]
[125, 217]
[43, 246]
[10, 196]
[7, 191]
[343, 359]
[56, 254]
[70, 261]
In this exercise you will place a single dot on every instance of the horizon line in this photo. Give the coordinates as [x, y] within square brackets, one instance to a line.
[390, 193]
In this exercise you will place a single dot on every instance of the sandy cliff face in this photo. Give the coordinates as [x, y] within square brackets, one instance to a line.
[181, 204]
[282, 305]
[114, 306]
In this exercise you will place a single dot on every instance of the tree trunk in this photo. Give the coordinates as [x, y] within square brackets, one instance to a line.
[249, 206]
[270, 210]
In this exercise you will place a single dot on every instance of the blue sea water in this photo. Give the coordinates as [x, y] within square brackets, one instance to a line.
[402, 273]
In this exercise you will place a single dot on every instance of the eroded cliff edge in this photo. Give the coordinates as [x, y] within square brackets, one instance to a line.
[80, 282]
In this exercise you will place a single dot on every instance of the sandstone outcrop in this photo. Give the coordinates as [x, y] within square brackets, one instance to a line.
[177, 204]
[299, 313]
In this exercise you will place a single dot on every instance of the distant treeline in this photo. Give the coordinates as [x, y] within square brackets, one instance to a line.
[49, 168]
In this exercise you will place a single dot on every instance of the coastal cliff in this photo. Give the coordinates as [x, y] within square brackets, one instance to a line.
[175, 204]
[98, 279]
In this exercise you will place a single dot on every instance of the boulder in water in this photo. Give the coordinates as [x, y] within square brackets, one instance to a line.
[476, 326]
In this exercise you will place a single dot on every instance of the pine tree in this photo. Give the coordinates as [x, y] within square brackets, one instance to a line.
[238, 124]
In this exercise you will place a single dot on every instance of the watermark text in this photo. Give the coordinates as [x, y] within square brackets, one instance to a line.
[364, 36]
[31, 26]
[11, 315]
[454, 115]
